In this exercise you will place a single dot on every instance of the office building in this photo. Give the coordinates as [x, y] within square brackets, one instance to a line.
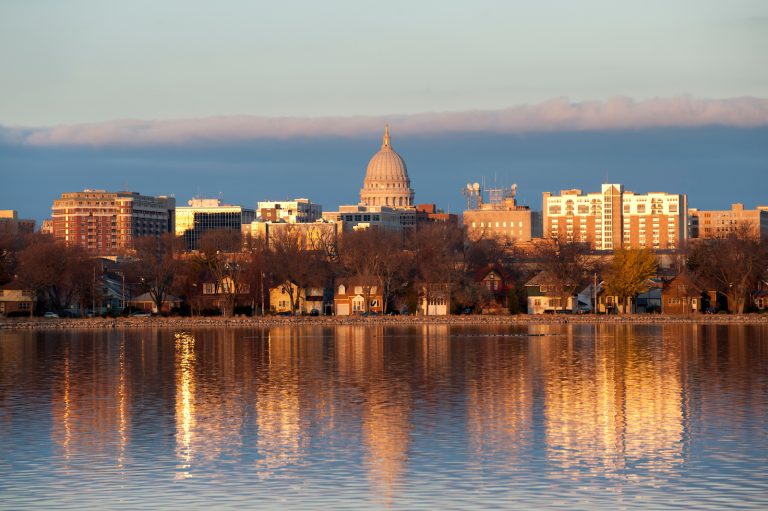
[204, 215]
[720, 223]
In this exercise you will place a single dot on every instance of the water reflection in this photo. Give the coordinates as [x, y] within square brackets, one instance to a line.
[390, 417]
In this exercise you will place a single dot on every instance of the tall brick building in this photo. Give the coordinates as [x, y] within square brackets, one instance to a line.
[106, 223]
[614, 218]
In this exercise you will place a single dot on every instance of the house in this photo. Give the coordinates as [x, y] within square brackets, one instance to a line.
[351, 295]
[495, 285]
[216, 295]
[760, 296]
[15, 300]
[681, 295]
[144, 302]
[435, 299]
[544, 297]
[307, 299]
[280, 298]
[645, 302]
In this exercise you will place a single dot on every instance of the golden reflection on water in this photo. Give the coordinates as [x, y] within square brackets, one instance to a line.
[91, 403]
[610, 402]
[595, 401]
[280, 441]
[185, 402]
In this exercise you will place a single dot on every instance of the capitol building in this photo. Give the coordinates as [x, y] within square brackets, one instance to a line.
[386, 179]
[386, 198]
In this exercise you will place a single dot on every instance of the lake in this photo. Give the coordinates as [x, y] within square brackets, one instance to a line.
[383, 417]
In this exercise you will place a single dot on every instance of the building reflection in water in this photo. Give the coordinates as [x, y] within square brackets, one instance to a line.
[280, 441]
[185, 402]
[387, 404]
[611, 400]
[91, 410]
[499, 399]
[211, 410]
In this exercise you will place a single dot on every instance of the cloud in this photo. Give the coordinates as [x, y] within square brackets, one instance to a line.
[554, 115]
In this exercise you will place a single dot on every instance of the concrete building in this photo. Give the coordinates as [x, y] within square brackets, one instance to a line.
[105, 222]
[203, 215]
[11, 224]
[296, 211]
[501, 217]
[353, 217]
[316, 235]
[721, 223]
[614, 218]
[428, 213]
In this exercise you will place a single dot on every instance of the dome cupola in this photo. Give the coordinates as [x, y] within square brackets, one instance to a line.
[386, 179]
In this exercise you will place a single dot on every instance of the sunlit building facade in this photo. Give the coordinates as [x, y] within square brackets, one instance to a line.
[10, 223]
[614, 218]
[104, 223]
[721, 223]
[204, 215]
[296, 211]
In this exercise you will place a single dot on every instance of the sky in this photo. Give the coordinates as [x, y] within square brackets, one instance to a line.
[259, 99]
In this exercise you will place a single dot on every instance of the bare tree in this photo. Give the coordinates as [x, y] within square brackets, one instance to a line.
[157, 265]
[732, 265]
[565, 264]
[220, 254]
[294, 264]
[61, 274]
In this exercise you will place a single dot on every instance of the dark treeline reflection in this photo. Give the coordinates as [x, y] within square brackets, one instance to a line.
[384, 404]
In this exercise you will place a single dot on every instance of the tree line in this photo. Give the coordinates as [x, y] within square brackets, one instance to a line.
[230, 274]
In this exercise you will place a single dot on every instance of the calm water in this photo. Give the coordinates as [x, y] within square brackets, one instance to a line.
[671, 416]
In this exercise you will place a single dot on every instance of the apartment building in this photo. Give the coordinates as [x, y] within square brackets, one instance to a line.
[615, 218]
[105, 222]
[296, 211]
[721, 223]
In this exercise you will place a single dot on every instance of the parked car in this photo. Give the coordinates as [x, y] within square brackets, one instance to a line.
[50, 315]
[314, 312]
[141, 315]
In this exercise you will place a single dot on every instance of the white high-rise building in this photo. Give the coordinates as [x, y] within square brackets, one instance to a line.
[615, 218]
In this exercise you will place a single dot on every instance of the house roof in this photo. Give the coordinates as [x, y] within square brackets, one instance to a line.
[683, 278]
[146, 297]
[482, 273]
[14, 285]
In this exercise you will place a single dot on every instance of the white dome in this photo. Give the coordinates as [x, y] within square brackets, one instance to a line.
[386, 178]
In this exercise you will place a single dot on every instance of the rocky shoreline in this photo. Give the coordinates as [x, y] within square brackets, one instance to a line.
[272, 321]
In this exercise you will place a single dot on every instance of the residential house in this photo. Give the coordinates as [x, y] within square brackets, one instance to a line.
[15, 300]
[145, 302]
[681, 295]
[351, 294]
[544, 296]
[495, 285]
[307, 299]
[215, 294]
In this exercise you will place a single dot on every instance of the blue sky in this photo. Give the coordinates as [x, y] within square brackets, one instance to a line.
[213, 90]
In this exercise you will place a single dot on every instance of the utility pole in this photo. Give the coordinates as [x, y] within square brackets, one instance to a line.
[262, 294]
[597, 311]
[93, 293]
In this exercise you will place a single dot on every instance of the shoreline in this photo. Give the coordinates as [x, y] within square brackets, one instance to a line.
[273, 321]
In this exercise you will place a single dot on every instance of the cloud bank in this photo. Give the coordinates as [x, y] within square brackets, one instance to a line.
[554, 115]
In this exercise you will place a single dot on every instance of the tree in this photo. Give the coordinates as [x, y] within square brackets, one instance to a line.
[566, 263]
[628, 274]
[157, 266]
[220, 255]
[732, 265]
[59, 273]
[294, 263]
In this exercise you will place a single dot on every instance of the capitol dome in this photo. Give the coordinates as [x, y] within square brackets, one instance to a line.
[386, 179]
